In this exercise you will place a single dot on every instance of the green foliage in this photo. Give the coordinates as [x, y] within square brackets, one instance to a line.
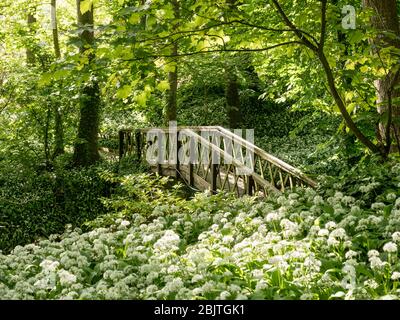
[134, 193]
[35, 203]
[369, 181]
[300, 245]
[141, 236]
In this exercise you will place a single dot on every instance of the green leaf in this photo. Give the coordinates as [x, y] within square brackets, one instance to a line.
[327, 208]
[124, 92]
[364, 69]
[134, 19]
[349, 95]
[61, 74]
[350, 108]
[86, 6]
[141, 99]
[45, 79]
[163, 86]
[170, 67]
[356, 36]
[350, 65]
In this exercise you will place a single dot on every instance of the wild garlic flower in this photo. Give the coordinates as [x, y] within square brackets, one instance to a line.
[66, 278]
[49, 265]
[370, 283]
[373, 253]
[377, 206]
[125, 223]
[396, 236]
[351, 254]
[376, 263]
[395, 276]
[330, 225]
[390, 247]
[323, 233]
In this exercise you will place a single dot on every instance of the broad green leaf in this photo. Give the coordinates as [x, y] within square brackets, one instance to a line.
[45, 79]
[124, 92]
[200, 45]
[350, 65]
[86, 6]
[141, 99]
[364, 69]
[171, 67]
[356, 36]
[380, 72]
[163, 85]
[349, 95]
[134, 19]
[350, 108]
[61, 74]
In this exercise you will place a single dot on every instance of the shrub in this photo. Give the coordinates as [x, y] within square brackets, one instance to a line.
[35, 204]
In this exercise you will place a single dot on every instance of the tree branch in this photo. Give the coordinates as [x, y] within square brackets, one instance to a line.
[323, 26]
[297, 31]
[342, 107]
[219, 50]
[274, 29]
[220, 24]
[318, 50]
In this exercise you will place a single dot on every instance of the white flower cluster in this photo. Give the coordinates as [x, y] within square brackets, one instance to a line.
[242, 250]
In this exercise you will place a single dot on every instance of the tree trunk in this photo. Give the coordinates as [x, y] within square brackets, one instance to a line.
[232, 97]
[232, 86]
[30, 56]
[58, 131]
[46, 138]
[58, 121]
[86, 148]
[171, 108]
[386, 20]
[54, 27]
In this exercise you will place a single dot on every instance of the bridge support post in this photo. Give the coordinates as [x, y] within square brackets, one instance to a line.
[191, 174]
[250, 186]
[138, 141]
[121, 144]
[214, 174]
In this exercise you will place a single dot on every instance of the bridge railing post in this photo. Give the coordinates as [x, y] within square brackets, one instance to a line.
[121, 143]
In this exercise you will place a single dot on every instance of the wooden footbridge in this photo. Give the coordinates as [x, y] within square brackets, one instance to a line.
[211, 158]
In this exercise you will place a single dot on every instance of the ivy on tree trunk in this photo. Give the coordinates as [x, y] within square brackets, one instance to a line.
[86, 150]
